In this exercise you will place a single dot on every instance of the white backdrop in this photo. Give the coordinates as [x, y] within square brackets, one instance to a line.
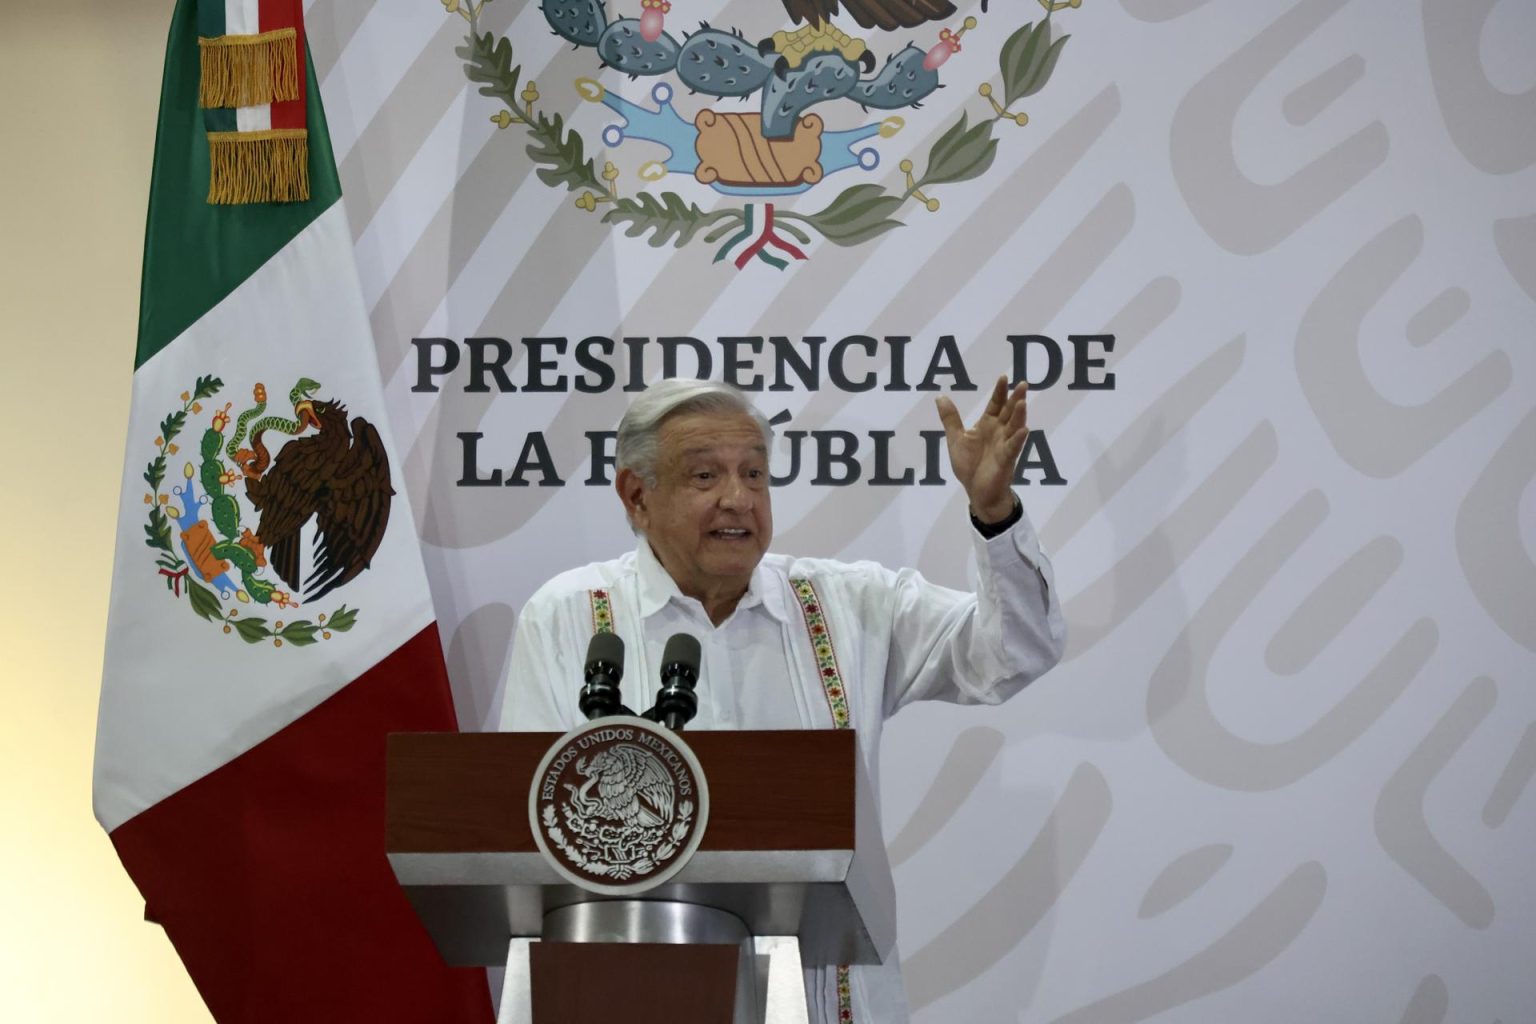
[1284, 772]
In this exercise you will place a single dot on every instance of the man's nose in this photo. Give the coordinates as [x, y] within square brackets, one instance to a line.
[735, 494]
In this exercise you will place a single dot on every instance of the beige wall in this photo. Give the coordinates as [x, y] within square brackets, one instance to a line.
[80, 83]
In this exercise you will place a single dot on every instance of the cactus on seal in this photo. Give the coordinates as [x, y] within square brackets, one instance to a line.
[826, 76]
[622, 46]
[724, 64]
[903, 82]
[576, 21]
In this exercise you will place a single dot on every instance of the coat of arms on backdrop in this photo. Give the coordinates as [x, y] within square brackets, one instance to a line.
[764, 143]
[234, 530]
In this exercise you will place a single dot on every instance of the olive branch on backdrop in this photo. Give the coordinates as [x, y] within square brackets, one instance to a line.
[964, 151]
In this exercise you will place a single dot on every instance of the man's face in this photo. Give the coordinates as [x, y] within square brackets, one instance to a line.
[708, 517]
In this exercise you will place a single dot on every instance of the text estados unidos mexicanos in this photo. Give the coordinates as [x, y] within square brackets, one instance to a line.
[674, 761]
[565, 757]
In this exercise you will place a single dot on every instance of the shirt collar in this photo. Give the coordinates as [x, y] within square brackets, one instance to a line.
[658, 588]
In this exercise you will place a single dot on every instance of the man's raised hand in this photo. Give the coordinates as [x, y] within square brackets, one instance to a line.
[984, 456]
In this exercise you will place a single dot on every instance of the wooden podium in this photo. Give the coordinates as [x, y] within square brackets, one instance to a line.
[792, 849]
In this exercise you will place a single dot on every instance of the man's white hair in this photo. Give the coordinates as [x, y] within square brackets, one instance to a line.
[639, 442]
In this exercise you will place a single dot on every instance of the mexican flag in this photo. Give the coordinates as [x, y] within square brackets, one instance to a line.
[270, 621]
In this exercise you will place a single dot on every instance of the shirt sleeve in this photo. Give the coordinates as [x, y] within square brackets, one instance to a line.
[530, 701]
[976, 648]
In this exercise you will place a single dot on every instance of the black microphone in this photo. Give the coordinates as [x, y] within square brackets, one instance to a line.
[676, 703]
[605, 667]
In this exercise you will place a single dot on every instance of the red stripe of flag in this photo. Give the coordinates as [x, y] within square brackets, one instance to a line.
[270, 877]
[275, 14]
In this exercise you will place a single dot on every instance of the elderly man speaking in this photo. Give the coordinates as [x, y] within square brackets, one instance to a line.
[693, 476]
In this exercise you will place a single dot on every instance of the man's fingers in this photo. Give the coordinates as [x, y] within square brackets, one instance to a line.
[1015, 399]
[999, 397]
[949, 418]
[1019, 394]
[1004, 408]
[1018, 416]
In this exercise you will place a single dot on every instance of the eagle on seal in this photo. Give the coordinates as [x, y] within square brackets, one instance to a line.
[339, 476]
[819, 35]
[632, 786]
[887, 15]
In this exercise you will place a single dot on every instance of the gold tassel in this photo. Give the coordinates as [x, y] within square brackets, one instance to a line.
[249, 71]
[259, 167]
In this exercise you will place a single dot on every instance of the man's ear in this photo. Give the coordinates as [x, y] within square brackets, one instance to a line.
[631, 491]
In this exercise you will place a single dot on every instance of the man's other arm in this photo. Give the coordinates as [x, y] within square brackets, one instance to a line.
[976, 648]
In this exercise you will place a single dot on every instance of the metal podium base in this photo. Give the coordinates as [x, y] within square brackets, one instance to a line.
[770, 984]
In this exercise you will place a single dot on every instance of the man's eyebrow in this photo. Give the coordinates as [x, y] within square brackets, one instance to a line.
[713, 450]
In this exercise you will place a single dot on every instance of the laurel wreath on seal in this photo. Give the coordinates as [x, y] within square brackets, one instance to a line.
[965, 150]
[591, 832]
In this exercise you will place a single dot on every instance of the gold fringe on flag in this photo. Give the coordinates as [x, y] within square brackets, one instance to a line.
[259, 167]
[249, 71]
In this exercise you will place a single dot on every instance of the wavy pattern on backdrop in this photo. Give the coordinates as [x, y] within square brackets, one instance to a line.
[1286, 767]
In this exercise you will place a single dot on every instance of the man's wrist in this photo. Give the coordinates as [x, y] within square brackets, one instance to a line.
[990, 524]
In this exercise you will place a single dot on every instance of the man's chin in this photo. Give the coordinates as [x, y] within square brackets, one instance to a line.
[735, 563]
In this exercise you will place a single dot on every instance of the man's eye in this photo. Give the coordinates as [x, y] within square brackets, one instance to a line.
[703, 474]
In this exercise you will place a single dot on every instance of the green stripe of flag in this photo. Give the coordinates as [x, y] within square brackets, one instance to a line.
[195, 254]
[219, 119]
[210, 19]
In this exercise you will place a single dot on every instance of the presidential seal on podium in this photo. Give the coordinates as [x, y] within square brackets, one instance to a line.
[618, 805]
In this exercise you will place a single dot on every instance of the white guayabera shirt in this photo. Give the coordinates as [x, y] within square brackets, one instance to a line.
[896, 638]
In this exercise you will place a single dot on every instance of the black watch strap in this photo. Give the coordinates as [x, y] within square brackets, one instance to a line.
[990, 530]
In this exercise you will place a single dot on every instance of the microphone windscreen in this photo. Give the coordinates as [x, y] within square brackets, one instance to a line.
[608, 648]
[682, 648]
